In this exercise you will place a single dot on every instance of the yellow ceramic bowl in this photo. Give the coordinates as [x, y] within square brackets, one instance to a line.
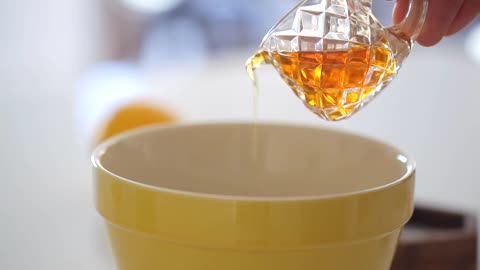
[232, 196]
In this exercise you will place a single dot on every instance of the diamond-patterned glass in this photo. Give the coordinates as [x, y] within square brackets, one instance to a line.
[334, 54]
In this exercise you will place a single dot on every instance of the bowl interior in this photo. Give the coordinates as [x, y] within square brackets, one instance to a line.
[265, 160]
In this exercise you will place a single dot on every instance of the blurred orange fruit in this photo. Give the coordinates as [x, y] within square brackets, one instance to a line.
[132, 116]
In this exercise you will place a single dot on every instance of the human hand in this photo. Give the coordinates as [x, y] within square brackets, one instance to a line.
[444, 18]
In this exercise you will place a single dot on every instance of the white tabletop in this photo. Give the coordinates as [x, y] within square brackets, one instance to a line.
[47, 218]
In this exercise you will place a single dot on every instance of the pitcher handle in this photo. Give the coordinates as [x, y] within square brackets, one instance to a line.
[412, 24]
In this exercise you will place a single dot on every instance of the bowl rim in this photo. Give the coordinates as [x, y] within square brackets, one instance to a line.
[103, 147]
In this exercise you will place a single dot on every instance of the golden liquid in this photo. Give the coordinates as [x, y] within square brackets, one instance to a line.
[258, 59]
[252, 63]
[332, 82]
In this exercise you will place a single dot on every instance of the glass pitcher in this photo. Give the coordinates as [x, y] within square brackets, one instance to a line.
[335, 55]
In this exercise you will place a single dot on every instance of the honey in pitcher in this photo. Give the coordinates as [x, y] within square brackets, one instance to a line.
[332, 84]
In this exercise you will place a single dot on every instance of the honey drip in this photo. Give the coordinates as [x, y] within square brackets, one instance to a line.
[252, 63]
[257, 60]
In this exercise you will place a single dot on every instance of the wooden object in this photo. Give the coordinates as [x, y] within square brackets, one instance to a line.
[435, 239]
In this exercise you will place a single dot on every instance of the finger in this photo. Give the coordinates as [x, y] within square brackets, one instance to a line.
[467, 13]
[440, 16]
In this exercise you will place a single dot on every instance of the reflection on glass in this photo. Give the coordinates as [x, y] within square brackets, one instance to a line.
[472, 44]
[151, 6]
